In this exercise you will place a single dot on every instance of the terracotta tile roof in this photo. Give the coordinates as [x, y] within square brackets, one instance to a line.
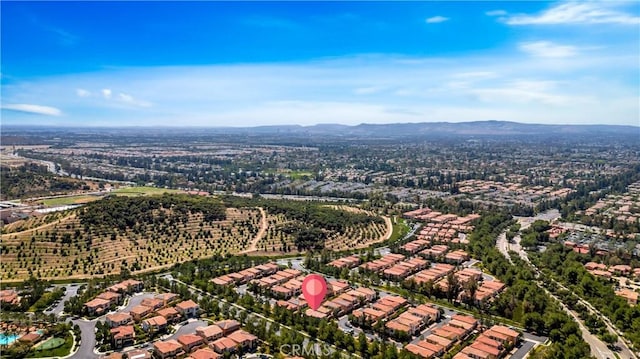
[205, 353]
[168, 346]
[187, 304]
[189, 339]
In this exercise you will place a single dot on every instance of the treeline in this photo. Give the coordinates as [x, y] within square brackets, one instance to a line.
[524, 301]
[126, 212]
[312, 222]
[32, 180]
[587, 194]
[568, 269]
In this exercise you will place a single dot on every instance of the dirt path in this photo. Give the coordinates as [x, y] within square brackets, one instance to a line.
[387, 235]
[42, 226]
[263, 229]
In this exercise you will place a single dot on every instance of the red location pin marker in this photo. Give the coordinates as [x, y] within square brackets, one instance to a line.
[314, 289]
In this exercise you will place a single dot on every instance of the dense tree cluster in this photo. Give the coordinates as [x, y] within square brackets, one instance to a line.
[32, 180]
[524, 301]
[126, 212]
[567, 267]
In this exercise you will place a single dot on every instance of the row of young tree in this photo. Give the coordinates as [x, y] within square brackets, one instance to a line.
[311, 223]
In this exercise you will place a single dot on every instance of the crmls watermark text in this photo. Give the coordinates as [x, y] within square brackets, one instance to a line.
[297, 349]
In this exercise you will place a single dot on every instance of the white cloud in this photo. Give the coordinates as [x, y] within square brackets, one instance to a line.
[548, 49]
[436, 19]
[106, 93]
[130, 100]
[82, 93]
[496, 13]
[33, 109]
[475, 75]
[509, 86]
[594, 12]
[526, 91]
[368, 90]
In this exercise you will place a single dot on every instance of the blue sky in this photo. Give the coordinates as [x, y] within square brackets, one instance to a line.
[263, 63]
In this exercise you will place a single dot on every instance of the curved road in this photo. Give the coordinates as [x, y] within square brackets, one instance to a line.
[598, 347]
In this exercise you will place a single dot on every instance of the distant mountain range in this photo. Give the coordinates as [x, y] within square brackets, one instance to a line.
[435, 129]
[395, 130]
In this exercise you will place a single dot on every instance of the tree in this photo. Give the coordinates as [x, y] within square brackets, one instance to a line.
[609, 338]
[453, 287]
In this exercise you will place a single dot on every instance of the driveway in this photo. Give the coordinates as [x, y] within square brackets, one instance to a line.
[189, 328]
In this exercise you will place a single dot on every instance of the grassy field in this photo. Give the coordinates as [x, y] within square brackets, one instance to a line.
[55, 347]
[400, 228]
[64, 201]
[143, 191]
[300, 174]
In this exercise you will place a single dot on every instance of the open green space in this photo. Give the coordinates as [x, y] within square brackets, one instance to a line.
[54, 347]
[143, 191]
[400, 228]
[51, 344]
[64, 201]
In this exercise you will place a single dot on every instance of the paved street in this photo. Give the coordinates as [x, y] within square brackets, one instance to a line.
[189, 328]
[71, 291]
[88, 339]
[598, 347]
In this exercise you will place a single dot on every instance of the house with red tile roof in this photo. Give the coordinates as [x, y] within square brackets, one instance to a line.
[629, 295]
[593, 266]
[476, 353]
[244, 339]
[210, 333]
[123, 336]
[204, 353]
[346, 262]
[97, 306]
[511, 334]
[30, 338]
[620, 269]
[408, 323]
[118, 319]
[367, 293]
[190, 342]
[435, 339]
[336, 287]
[9, 296]
[112, 297]
[154, 324]
[153, 303]
[228, 326]
[168, 349]
[167, 297]
[437, 349]
[170, 314]
[420, 351]
[493, 352]
[188, 308]
[224, 345]
[140, 311]
[127, 286]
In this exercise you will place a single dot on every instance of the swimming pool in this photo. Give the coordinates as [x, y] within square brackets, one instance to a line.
[8, 339]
